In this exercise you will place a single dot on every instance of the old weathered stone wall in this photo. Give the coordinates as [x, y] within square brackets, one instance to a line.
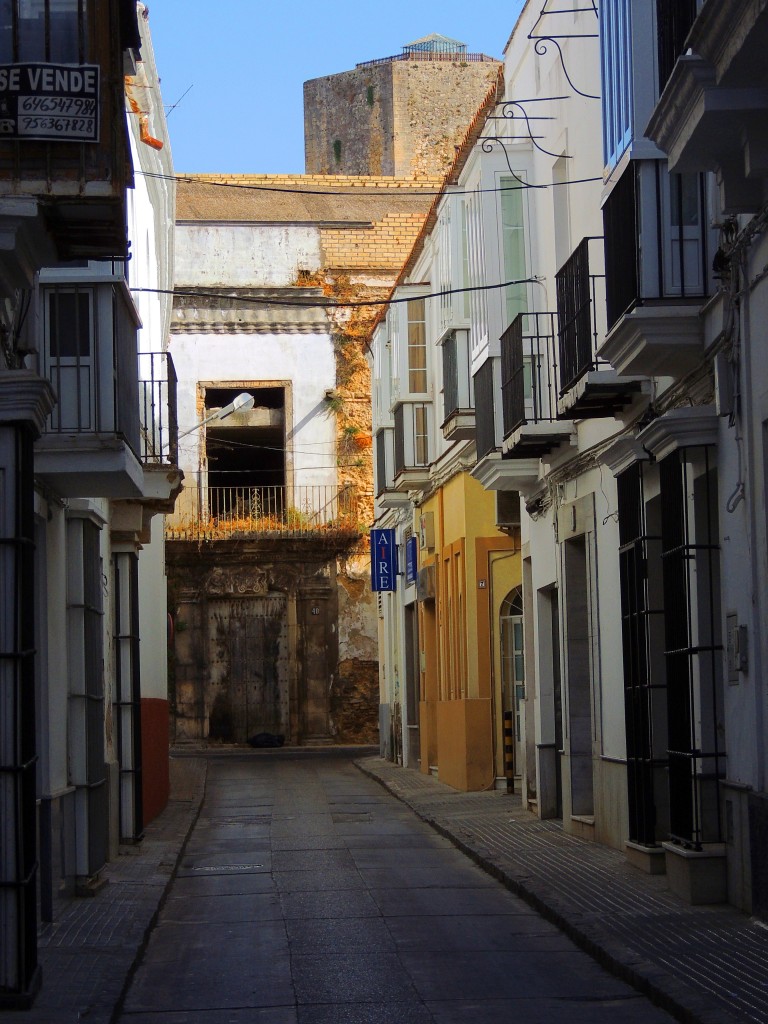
[403, 118]
[259, 644]
[348, 123]
[434, 102]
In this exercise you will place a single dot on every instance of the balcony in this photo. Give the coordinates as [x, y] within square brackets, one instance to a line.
[386, 494]
[411, 445]
[159, 430]
[532, 428]
[589, 386]
[458, 400]
[495, 471]
[64, 137]
[658, 255]
[711, 114]
[321, 513]
[91, 446]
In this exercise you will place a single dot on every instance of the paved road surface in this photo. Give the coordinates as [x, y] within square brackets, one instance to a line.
[308, 895]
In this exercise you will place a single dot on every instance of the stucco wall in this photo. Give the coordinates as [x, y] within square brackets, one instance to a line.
[244, 255]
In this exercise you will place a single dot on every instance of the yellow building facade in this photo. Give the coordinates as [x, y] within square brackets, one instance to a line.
[464, 679]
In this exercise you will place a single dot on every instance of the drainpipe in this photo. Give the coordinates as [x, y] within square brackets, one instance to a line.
[755, 512]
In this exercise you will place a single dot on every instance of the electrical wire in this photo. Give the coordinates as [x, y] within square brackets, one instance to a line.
[446, 190]
[332, 303]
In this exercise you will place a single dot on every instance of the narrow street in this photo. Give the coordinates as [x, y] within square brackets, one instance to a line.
[308, 895]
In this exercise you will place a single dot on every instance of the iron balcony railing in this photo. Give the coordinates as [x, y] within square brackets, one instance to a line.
[529, 371]
[451, 57]
[580, 320]
[485, 421]
[221, 513]
[158, 408]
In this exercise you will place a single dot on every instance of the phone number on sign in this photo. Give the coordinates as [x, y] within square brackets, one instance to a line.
[71, 126]
[74, 105]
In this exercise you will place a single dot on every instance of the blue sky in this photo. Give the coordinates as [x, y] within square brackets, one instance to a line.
[246, 62]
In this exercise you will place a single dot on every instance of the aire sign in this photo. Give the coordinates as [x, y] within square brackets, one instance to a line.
[383, 560]
[50, 102]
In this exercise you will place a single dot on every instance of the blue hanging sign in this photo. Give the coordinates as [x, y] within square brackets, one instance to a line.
[411, 560]
[383, 560]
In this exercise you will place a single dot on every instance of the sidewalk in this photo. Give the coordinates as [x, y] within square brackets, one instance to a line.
[87, 955]
[705, 965]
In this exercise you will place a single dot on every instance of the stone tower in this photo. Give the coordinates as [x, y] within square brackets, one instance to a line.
[401, 116]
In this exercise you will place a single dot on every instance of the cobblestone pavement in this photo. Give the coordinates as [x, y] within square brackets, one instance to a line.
[702, 964]
[307, 894]
[88, 952]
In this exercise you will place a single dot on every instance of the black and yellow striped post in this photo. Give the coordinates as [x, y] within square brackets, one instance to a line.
[509, 750]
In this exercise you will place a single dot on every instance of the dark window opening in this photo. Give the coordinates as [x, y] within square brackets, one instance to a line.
[246, 454]
[621, 246]
[674, 20]
[69, 316]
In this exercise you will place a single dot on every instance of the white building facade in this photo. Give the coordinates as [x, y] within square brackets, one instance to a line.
[96, 467]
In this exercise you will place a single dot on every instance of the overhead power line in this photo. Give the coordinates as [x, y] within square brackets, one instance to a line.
[416, 193]
[334, 303]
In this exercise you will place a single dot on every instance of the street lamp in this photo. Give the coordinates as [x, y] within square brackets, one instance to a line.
[240, 403]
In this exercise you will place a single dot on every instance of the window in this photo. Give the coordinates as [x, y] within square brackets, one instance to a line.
[71, 366]
[616, 56]
[476, 265]
[465, 277]
[513, 246]
[44, 30]
[69, 317]
[421, 435]
[417, 347]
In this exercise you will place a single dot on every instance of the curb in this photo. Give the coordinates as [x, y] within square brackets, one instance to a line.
[650, 980]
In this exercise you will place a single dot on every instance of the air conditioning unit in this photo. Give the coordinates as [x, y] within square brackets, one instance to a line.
[425, 584]
[507, 510]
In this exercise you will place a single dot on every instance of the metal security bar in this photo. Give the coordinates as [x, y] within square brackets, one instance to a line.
[86, 697]
[693, 649]
[127, 693]
[642, 624]
[158, 408]
[529, 371]
[220, 513]
[18, 846]
[579, 300]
